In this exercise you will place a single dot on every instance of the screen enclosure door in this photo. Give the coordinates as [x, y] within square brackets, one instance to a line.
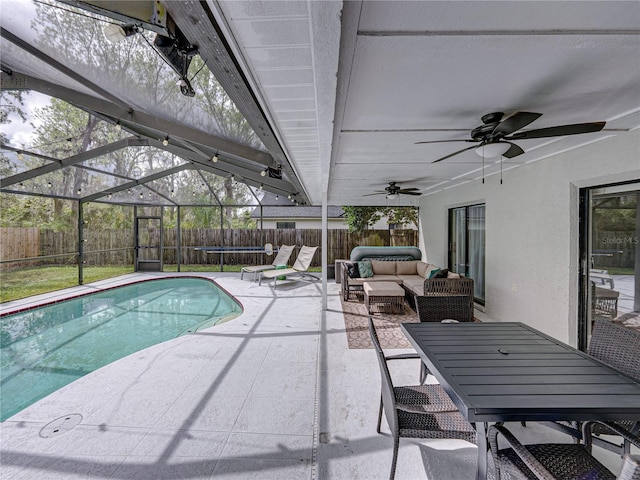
[148, 246]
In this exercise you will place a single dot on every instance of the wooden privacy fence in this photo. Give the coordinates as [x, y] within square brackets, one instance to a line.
[339, 243]
[19, 243]
[115, 247]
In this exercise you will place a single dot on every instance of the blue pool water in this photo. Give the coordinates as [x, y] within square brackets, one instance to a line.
[45, 348]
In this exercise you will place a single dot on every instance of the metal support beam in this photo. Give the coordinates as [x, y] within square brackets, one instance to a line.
[155, 127]
[80, 243]
[198, 24]
[40, 55]
[57, 164]
[135, 183]
[325, 248]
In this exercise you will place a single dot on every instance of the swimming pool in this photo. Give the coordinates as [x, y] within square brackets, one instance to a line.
[45, 348]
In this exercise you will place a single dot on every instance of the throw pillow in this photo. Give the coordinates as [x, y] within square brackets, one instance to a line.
[441, 273]
[431, 269]
[353, 270]
[433, 273]
[365, 269]
[453, 275]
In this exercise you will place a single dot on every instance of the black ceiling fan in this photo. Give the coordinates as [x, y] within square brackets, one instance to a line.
[393, 190]
[498, 132]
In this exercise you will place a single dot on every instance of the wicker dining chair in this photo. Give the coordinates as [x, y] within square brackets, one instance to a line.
[556, 461]
[445, 308]
[619, 347]
[416, 411]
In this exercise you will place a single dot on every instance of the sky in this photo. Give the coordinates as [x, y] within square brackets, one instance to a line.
[21, 133]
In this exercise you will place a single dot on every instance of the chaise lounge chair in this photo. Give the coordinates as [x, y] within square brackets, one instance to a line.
[284, 252]
[300, 267]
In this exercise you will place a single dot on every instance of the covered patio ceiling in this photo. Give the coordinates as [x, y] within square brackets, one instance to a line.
[427, 71]
[339, 93]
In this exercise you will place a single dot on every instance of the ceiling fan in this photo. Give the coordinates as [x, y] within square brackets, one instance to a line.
[393, 191]
[494, 137]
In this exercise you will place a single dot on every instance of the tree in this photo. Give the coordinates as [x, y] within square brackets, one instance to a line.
[360, 219]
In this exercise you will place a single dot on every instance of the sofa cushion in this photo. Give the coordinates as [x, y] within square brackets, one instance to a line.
[421, 268]
[414, 283]
[410, 278]
[383, 268]
[407, 268]
[383, 278]
[365, 269]
[418, 289]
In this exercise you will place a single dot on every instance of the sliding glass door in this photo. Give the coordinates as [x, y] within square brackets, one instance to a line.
[467, 245]
[610, 254]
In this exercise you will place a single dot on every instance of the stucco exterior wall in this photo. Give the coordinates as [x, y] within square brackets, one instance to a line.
[532, 230]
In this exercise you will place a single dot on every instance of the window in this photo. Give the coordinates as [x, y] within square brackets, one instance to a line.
[285, 224]
[610, 257]
[467, 245]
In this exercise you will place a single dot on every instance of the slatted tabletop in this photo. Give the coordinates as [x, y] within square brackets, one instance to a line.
[497, 372]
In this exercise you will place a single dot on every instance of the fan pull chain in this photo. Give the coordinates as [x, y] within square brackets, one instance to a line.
[483, 164]
[500, 169]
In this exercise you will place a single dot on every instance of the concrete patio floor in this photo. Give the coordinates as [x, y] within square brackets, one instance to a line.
[272, 394]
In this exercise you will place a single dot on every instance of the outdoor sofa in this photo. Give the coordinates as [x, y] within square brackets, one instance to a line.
[414, 276]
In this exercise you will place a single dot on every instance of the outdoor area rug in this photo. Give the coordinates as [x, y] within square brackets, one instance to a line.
[387, 325]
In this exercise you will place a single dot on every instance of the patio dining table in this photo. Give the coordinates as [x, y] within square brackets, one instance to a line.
[508, 371]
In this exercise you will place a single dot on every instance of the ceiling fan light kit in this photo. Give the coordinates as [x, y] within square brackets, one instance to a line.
[493, 150]
[494, 137]
[393, 196]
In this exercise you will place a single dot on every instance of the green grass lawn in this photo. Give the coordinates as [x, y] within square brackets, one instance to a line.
[33, 281]
[26, 282]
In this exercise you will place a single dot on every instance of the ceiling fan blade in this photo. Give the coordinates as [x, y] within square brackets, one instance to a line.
[559, 131]
[377, 193]
[404, 192]
[453, 154]
[443, 141]
[513, 151]
[410, 189]
[515, 122]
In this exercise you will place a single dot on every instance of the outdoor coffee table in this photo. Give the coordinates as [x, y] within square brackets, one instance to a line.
[380, 294]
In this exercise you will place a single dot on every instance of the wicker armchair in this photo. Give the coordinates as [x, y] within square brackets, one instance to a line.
[619, 347]
[436, 308]
[451, 287]
[555, 461]
[417, 411]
